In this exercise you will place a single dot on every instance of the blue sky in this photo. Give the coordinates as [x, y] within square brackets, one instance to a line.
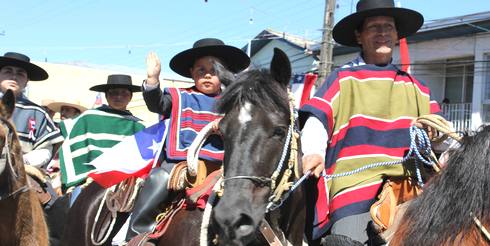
[119, 33]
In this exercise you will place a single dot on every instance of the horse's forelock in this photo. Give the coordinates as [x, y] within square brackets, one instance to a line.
[255, 87]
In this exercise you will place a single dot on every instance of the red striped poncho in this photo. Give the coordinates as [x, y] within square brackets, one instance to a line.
[367, 111]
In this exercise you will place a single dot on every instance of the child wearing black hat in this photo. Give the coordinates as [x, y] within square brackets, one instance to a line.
[188, 110]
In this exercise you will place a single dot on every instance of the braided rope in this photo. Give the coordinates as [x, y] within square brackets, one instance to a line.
[413, 153]
[206, 217]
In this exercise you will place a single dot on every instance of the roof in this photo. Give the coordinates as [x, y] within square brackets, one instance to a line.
[267, 35]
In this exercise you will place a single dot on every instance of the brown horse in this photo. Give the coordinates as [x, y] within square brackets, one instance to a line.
[22, 218]
[454, 208]
[80, 219]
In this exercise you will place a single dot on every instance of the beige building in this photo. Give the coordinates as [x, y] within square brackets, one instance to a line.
[71, 81]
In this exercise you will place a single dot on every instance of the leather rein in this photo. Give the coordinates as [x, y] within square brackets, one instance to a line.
[6, 159]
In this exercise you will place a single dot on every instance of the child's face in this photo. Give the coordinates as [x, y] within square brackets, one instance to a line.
[204, 76]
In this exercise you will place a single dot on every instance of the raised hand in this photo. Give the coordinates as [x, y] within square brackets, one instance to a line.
[153, 68]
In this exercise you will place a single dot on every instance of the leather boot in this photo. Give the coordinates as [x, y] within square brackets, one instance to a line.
[153, 193]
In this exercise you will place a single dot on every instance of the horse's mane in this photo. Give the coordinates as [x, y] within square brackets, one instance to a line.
[442, 213]
[252, 87]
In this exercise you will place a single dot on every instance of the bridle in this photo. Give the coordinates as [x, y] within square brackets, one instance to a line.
[278, 194]
[6, 160]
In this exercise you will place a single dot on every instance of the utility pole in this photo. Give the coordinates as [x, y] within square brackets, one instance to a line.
[325, 65]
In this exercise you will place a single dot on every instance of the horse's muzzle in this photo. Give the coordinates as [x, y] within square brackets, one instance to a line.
[234, 228]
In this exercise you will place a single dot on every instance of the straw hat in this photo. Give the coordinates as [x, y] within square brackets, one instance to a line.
[56, 105]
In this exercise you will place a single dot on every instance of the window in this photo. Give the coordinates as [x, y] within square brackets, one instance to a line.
[459, 80]
[486, 93]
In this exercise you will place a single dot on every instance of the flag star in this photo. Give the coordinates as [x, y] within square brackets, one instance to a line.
[154, 147]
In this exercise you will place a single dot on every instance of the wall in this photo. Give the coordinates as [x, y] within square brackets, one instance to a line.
[74, 81]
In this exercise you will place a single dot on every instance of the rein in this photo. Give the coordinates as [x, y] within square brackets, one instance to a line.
[7, 159]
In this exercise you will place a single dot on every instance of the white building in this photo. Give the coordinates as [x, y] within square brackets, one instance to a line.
[451, 55]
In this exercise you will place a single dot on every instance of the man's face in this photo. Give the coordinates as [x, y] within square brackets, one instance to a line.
[377, 38]
[14, 78]
[118, 98]
[205, 77]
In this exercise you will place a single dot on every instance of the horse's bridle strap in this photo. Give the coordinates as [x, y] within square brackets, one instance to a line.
[13, 193]
[262, 181]
[268, 233]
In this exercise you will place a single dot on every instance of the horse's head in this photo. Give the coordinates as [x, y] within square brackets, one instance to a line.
[7, 105]
[255, 129]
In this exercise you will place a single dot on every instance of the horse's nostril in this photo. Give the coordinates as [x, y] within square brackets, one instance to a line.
[244, 226]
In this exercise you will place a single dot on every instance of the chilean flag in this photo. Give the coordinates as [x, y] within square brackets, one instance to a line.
[302, 88]
[134, 156]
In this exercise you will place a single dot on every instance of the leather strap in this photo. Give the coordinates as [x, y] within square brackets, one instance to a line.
[269, 235]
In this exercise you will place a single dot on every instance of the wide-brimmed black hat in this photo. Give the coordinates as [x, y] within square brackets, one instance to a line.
[34, 72]
[234, 58]
[407, 21]
[117, 81]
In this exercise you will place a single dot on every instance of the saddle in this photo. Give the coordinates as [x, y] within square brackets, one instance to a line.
[195, 197]
[395, 192]
[180, 179]
[39, 182]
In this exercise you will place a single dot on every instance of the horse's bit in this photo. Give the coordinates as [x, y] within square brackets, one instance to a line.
[6, 161]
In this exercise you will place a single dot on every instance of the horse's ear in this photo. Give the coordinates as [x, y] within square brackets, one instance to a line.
[225, 76]
[280, 67]
[8, 102]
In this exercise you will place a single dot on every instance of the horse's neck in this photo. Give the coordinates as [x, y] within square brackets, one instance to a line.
[17, 176]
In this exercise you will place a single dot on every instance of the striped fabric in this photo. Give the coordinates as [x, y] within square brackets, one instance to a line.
[367, 111]
[191, 111]
[35, 128]
[86, 137]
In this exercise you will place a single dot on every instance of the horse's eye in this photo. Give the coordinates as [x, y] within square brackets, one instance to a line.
[279, 132]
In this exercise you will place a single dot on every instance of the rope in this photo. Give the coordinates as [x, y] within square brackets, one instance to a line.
[480, 226]
[113, 215]
[193, 151]
[438, 123]
[413, 153]
[206, 217]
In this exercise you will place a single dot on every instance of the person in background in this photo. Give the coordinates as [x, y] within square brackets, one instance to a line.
[68, 108]
[361, 115]
[44, 104]
[36, 130]
[87, 135]
[188, 110]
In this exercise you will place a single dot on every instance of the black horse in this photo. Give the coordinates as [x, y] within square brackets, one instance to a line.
[257, 127]
[454, 208]
[81, 219]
